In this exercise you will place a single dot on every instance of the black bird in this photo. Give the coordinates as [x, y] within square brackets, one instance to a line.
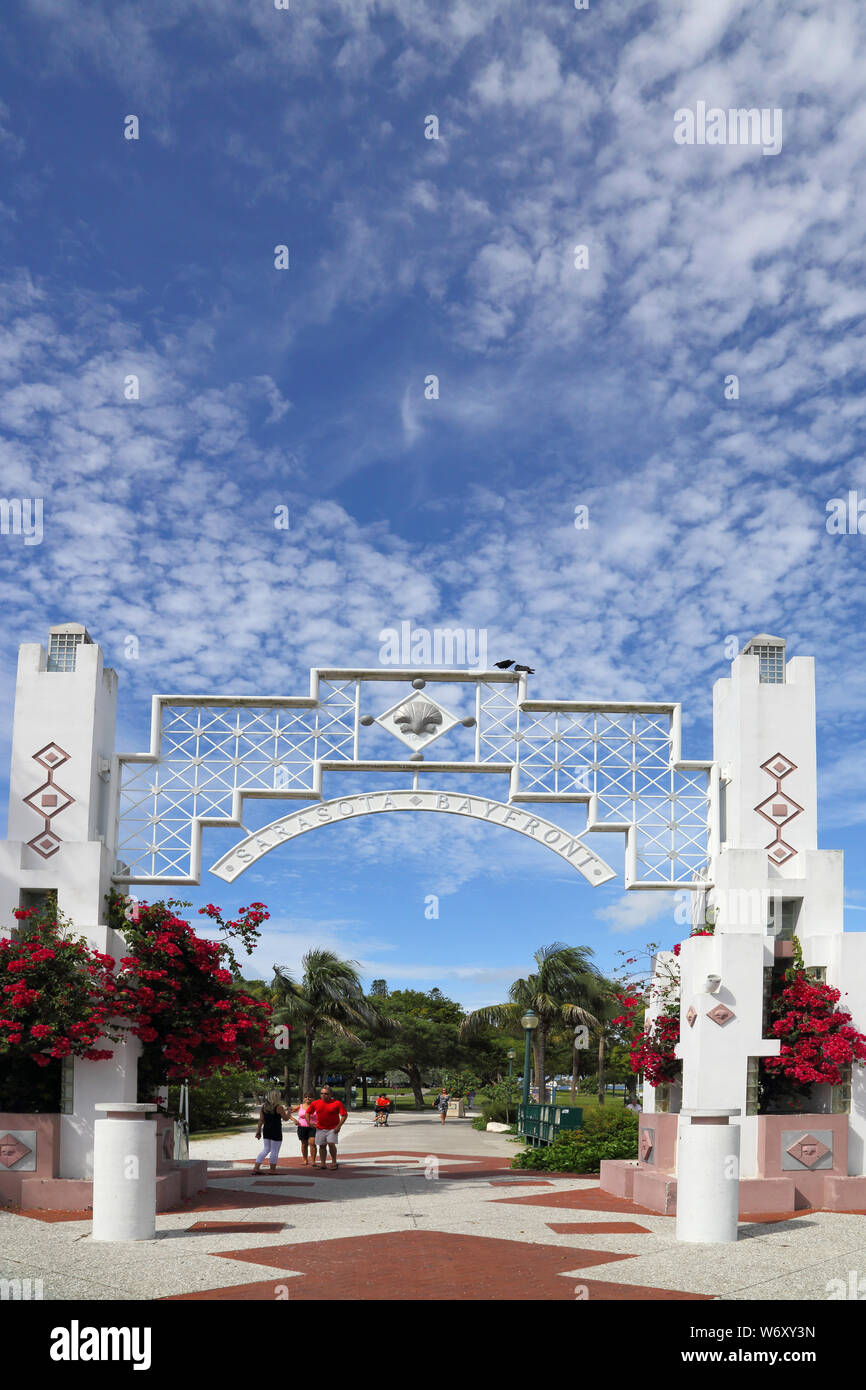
[528, 669]
[504, 665]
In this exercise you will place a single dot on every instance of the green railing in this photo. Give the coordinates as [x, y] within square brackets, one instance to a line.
[540, 1124]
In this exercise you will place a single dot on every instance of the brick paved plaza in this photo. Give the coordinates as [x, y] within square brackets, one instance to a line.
[422, 1211]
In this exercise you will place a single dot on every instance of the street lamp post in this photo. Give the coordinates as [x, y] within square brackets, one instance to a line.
[529, 1022]
[510, 1071]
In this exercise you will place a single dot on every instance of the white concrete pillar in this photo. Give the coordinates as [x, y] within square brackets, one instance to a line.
[708, 1184]
[124, 1173]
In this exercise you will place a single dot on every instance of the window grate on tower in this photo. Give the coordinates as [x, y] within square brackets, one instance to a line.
[771, 666]
[63, 648]
[770, 652]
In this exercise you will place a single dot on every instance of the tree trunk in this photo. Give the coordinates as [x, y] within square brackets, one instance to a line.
[542, 1040]
[601, 1066]
[364, 1088]
[287, 1086]
[414, 1076]
[308, 1060]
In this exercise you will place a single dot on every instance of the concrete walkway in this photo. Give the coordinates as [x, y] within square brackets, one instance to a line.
[421, 1210]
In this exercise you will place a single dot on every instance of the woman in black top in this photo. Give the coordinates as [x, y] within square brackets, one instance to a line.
[270, 1129]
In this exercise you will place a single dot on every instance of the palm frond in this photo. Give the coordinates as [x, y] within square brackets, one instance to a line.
[497, 1015]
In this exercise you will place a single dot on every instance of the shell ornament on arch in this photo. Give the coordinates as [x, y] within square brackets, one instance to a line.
[419, 718]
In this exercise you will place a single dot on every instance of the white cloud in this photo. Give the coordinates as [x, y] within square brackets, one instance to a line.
[636, 910]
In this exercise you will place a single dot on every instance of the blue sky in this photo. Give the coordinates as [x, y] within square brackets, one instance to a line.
[558, 387]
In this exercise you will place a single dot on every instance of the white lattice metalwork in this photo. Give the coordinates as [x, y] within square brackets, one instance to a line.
[622, 760]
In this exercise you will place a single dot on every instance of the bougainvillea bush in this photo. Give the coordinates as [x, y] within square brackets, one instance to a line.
[818, 1042]
[180, 993]
[57, 993]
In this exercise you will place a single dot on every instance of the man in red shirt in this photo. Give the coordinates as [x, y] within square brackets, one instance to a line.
[329, 1116]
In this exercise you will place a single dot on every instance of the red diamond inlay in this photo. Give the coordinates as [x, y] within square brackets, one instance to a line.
[781, 852]
[808, 1150]
[691, 1016]
[49, 794]
[52, 755]
[778, 766]
[721, 1014]
[12, 1150]
[778, 812]
[45, 844]
[647, 1138]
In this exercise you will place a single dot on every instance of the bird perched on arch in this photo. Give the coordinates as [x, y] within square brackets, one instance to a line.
[503, 665]
[528, 670]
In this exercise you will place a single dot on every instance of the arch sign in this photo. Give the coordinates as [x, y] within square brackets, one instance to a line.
[464, 743]
[568, 847]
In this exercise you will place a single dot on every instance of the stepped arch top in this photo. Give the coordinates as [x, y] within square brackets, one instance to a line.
[208, 754]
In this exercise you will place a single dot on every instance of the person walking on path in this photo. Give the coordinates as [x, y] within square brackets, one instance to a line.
[270, 1129]
[306, 1129]
[329, 1116]
[441, 1103]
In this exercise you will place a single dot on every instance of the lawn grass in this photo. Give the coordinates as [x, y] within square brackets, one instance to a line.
[587, 1103]
[224, 1133]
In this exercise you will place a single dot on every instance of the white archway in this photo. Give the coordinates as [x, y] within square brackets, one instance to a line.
[246, 852]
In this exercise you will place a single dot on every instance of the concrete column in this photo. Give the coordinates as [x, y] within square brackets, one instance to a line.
[124, 1173]
[708, 1184]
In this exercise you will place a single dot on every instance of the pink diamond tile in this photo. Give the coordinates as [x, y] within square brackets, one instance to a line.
[45, 844]
[647, 1137]
[12, 1150]
[691, 1016]
[778, 812]
[778, 765]
[52, 755]
[781, 853]
[807, 1150]
[49, 794]
[721, 1014]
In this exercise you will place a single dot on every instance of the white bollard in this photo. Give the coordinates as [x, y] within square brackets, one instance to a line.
[124, 1173]
[708, 1183]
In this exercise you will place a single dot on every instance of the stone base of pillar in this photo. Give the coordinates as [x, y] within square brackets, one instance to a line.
[76, 1194]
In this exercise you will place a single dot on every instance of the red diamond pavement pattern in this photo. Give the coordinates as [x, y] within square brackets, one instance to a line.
[240, 1228]
[221, 1200]
[592, 1200]
[598, 1228]
[428, 1266]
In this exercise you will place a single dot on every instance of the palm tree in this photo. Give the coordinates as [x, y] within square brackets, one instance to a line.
[559, 992]
[607, 1007]
[328, 998]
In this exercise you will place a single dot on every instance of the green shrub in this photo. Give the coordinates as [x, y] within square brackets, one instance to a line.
[495, 1110]
[612, 1135]
[218, 1101]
